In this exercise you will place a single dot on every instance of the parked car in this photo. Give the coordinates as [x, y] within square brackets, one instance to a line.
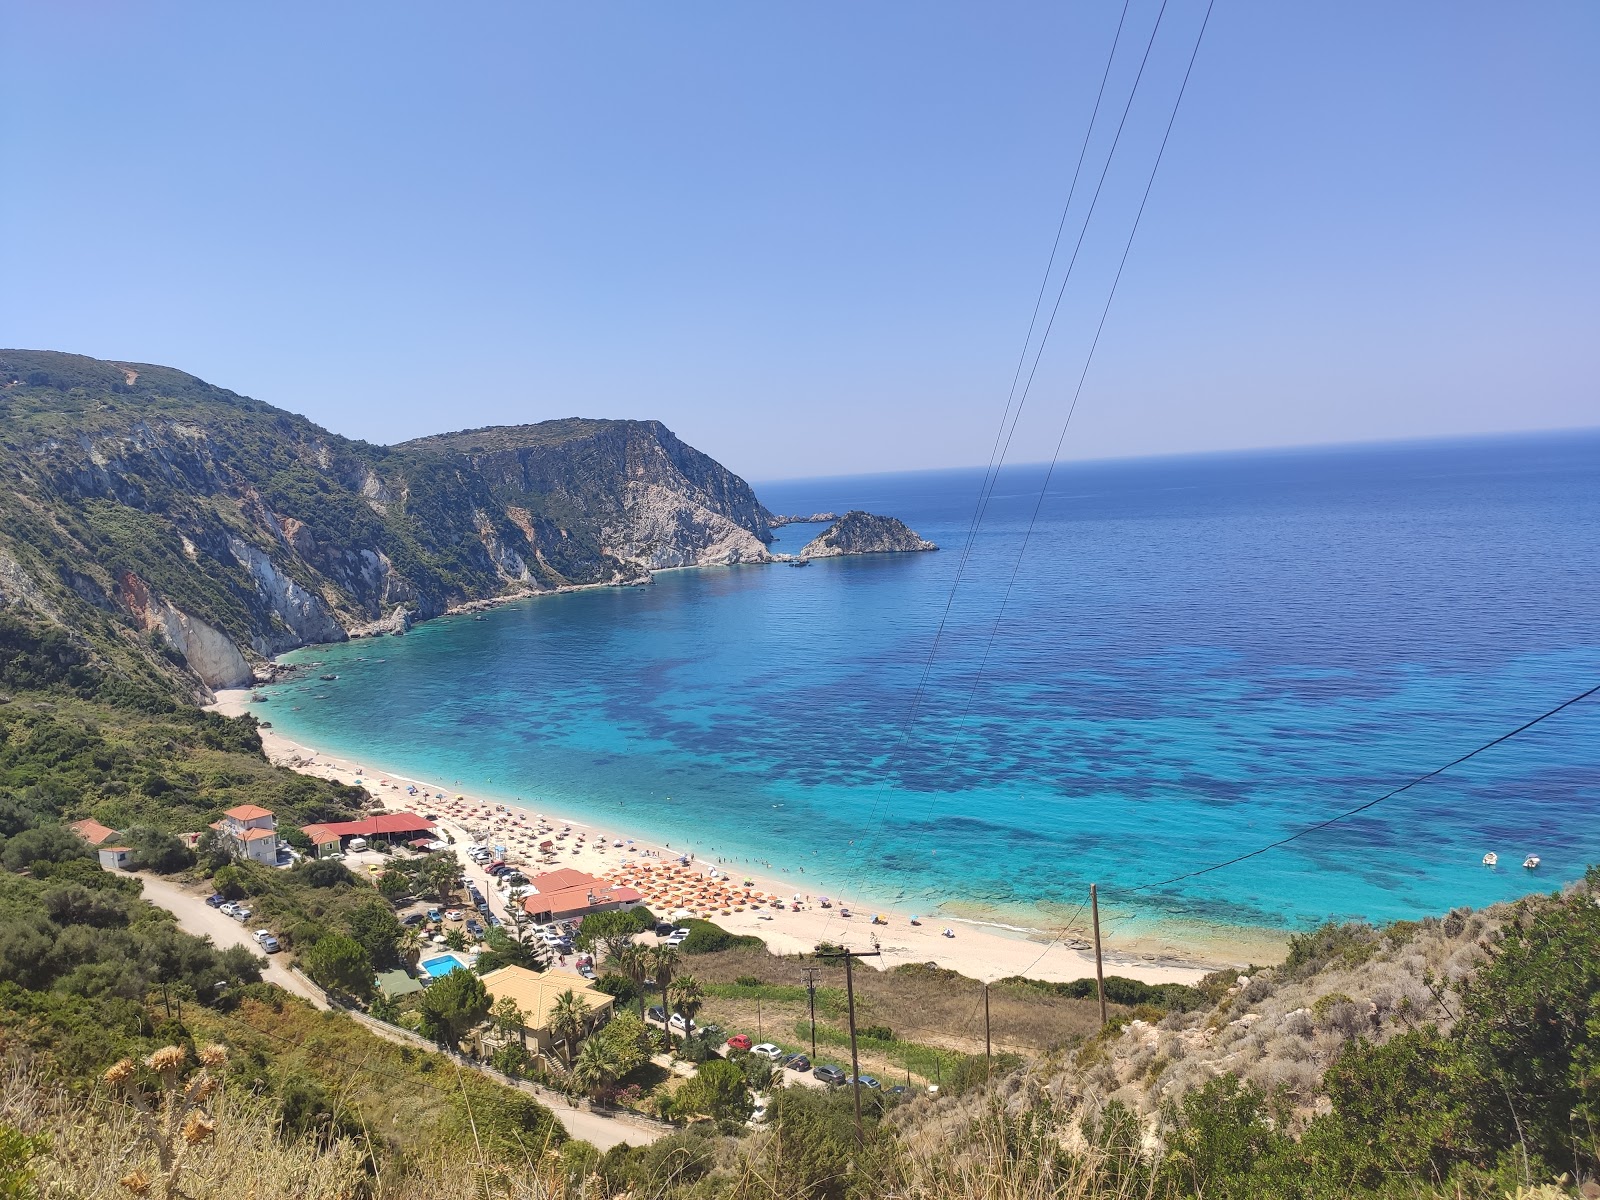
[714, 1032]
[267, 941]
[867, 1081]
[216, 900]
[586, 971]
[227, 908]
[678, 937]
[475, 929]
[759, 1113]
[411, 919]
[657, 1014]
[900, 1091]
[241, 914]
[665, 929]
[832, 1076]
[681, 1024]
[433, 914]
[768, 1051]
[798, 1062]
[453, 914]
[739, 1041]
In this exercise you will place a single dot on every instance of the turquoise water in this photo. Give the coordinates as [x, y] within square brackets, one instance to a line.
[1199, 655]
[441, 965]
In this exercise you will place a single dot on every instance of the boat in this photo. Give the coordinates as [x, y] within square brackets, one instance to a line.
[1490, 859]
[1531, 862]
[799, 562]
[327, 678]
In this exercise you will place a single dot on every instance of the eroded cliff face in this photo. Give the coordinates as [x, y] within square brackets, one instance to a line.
[860, 532]
[209, 524]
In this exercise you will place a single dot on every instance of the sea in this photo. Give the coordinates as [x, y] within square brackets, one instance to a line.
[1138, 672]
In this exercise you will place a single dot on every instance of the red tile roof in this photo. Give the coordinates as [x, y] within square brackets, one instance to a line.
[386, 823]
[255, 835]
[92, 831]
[247, 812]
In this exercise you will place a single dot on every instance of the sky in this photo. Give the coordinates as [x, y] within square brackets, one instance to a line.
[809, 237]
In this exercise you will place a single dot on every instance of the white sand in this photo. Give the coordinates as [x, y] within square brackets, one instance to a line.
[977, 951]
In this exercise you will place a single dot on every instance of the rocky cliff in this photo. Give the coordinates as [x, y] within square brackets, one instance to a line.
[203, 531]
[860, 532]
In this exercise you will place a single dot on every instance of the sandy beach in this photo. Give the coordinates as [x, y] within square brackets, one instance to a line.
[976, 950]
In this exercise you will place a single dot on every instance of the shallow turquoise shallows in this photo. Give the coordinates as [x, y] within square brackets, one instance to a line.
[1198, 656]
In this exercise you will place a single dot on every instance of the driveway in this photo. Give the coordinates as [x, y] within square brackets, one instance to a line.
[199, 918]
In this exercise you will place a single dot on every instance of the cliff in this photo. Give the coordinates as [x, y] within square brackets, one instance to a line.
[860, 532]
[198, 530]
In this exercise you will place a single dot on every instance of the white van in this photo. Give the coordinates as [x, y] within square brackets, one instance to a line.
[358, 843]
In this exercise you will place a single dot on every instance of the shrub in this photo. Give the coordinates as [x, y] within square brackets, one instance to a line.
[706, 938]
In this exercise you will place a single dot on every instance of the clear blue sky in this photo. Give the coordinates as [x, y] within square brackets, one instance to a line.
[808, 236]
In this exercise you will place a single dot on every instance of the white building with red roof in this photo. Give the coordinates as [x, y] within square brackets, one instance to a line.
[250, 832]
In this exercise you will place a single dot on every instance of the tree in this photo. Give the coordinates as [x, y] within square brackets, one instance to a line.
[510, 1020]
[453, 1005]
[597, 1067]
[373, 924]
[629, 1040]
[633, 960]
[606, 933]
[393, 885]
[440, 873]
[160, 852]
[687, 998]
[409, 948]
[230, 881]
[569, 1019]
[340, 964]
[663, 964]
[718, 1090]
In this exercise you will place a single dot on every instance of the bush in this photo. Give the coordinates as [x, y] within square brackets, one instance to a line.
[706, 938]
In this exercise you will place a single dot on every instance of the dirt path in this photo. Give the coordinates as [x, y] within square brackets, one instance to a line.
[199, 918]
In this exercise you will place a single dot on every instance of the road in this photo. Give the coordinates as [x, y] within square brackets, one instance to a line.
[199, 918]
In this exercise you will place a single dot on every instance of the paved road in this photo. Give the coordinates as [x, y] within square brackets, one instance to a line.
[199, 918]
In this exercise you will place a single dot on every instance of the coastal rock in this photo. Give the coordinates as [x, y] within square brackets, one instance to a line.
[860, 532]
[818, 518]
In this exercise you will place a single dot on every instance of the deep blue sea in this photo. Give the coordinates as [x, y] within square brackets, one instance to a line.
[1198, 656]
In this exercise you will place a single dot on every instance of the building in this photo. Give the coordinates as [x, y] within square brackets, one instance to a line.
[116, 858]
[566, 895]
[536, 995]
[92, 831]
[250, 832]
[332, 835]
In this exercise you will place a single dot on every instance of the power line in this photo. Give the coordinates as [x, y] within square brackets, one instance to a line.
[1361, 808]
[992, 475]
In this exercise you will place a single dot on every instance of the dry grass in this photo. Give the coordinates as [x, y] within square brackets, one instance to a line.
[923, 1004]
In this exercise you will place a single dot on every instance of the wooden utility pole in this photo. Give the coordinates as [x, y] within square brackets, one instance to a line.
[1099, 967]
[811, 995]
[988, 1042]
[849, 957]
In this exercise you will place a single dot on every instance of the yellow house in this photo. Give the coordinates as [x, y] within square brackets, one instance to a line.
[535, 995]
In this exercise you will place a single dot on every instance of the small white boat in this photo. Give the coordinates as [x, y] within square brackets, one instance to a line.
[1531, 862]
[1490, 859]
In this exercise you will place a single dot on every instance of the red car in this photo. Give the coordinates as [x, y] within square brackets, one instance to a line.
[738, 1042]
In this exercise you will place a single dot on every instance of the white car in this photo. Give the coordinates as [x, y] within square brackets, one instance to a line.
[677, 937]
[268, 942]
[678, 1022]
[768, 1051]
[228, 909]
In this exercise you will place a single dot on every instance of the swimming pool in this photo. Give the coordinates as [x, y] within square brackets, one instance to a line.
[441, 965]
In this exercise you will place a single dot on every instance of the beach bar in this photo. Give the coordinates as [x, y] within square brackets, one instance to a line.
[332, 835]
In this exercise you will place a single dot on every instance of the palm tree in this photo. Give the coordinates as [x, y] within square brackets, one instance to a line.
[687, 997]
[663, 962]
[410, 946]
[569, 1019]
[597, 1067]
[634, 962]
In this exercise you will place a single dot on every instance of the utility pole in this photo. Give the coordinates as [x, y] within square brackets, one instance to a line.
[811, 995]
[1099, 967]
[849, 957]
[988, 1042]
[758, 1016]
